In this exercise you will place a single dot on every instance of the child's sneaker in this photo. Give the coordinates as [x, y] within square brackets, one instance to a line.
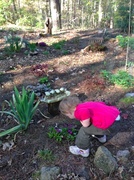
[100, 138]
[77, 151]
[118, 118]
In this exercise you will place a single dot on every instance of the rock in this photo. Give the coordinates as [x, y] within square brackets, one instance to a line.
[132, 149]
[122, 155]
[49, 173]
[71, 176]
[84, 173]
[129, 95]
[121, 138]
[104, 160]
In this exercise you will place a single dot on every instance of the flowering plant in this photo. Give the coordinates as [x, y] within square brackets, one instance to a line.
[67, 132]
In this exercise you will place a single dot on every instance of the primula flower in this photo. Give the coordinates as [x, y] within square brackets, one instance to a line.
[70, 131]
[58, 130]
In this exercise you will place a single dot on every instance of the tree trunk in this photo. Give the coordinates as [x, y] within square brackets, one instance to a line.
[56, 14]
[100, 13]
[48, 25]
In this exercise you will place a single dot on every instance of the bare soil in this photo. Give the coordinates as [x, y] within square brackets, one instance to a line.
[79, 72]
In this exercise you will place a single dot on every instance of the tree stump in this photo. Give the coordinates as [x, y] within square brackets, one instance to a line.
[48, 25]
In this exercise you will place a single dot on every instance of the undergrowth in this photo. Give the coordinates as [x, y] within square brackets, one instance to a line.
[121, 78]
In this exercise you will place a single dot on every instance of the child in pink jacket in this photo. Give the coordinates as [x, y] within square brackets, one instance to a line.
[95, 117]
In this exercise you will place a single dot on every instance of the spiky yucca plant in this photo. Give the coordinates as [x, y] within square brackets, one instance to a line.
[22, 108]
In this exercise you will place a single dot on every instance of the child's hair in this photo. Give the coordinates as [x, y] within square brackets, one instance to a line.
[68, 104]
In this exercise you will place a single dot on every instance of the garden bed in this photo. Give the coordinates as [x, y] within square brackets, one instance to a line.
[65, 65]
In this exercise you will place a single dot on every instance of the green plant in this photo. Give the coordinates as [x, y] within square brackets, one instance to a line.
[58, 45]
[36, 175]
[32, 47]
[65, 52]
[46, 53]
[126, 101]
[14, 42]
[65, 133]
[131, 42]
[46, 154]
[122, 78]
[43, 80]
[130, 64]
[122, 41]
[22, 108]
[106, 74]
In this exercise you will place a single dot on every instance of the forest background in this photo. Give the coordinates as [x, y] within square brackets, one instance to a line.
[68, 14]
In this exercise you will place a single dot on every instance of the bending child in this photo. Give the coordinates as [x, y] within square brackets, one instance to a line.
[95, 117]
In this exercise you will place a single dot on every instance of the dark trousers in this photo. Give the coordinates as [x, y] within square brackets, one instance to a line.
[83, 137]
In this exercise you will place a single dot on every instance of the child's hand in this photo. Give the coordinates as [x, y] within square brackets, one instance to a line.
[85, 123]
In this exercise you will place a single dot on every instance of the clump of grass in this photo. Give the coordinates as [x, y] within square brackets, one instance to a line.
[126, 101]
[46, 154]
[46, 53]
[59, 44]
[65, 52]
[36, 175]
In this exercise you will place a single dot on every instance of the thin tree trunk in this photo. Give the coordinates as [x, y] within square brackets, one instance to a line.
[129, 27]
[100, 13]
